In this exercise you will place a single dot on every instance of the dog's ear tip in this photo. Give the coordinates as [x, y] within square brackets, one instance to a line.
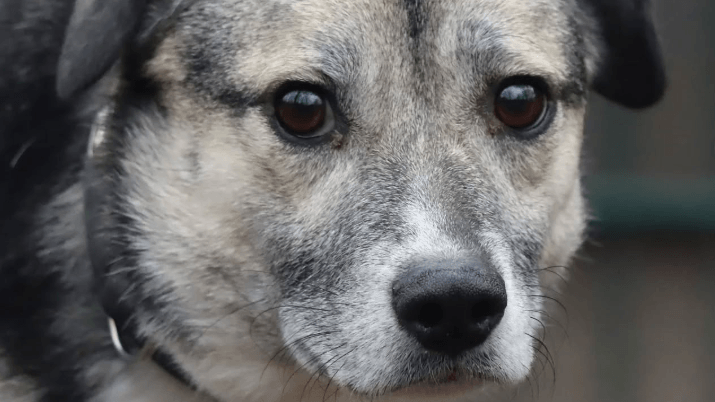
[638, 103]
[69, 83]
[65, 87]
[640, 93]
[648, 97]
[96, 33]
[631, 71]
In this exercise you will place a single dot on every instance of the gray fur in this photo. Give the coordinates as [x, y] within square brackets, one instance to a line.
[265, 267]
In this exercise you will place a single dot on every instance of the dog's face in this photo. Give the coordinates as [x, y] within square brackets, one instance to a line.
[304, 188]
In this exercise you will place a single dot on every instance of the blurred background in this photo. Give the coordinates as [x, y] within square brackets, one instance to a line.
[638, 323]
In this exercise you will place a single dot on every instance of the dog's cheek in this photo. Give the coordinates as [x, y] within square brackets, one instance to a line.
[567, 214]
[544, 202]
[181, 182]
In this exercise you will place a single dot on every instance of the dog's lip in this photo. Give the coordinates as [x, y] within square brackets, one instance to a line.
[450, 385]
[447, 388]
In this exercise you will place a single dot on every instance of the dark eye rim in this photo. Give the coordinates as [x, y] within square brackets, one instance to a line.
[544, 121]
[331, 122]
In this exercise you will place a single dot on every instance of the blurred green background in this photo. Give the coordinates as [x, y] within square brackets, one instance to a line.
[639, 319]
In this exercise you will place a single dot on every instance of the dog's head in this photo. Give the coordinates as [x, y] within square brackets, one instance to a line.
[366, 191]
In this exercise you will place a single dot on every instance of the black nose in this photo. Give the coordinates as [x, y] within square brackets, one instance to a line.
[449, 306]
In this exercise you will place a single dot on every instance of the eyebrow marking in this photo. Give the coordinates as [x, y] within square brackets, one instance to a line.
[416, 17]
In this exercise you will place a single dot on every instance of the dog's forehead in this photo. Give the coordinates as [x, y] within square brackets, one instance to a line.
[261, 42]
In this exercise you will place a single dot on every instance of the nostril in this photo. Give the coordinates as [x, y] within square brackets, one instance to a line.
[430, 315]
[484, 309]
[449, 311]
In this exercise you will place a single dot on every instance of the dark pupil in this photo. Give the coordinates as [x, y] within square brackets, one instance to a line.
[301, 111]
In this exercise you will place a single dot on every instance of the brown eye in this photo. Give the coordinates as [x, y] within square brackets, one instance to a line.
[302, 113]
[520, 106]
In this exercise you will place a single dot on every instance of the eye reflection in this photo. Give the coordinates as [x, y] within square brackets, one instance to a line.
[520, 106]
[302, 112]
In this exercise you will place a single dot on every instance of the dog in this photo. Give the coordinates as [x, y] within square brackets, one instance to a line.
[284, 200]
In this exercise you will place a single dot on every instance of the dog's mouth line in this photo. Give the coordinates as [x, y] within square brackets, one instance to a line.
[454, 375]
[450, 381]
[454, 381]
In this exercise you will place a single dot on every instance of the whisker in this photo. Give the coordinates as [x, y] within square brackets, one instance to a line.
[290, 344]
[545, 313]
[543, 327]
[551, 271]
[311, 286]
[544, 350]
[550, 299]
[322, 368]
[230, 313]
[305, 365]
[330, 380]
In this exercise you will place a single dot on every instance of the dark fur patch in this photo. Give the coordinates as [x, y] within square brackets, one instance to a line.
[38, 157]
[30, 38]
[31, 293]
[209, 59]
[416, 17]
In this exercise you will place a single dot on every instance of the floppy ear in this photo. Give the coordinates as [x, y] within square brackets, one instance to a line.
[631, 70]
[97, 32]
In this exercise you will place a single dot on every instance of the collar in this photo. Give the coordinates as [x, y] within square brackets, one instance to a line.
[122, 328]
[128, 345]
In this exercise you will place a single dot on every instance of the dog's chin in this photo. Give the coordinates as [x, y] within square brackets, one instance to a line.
[438, 390]
[451, 386]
